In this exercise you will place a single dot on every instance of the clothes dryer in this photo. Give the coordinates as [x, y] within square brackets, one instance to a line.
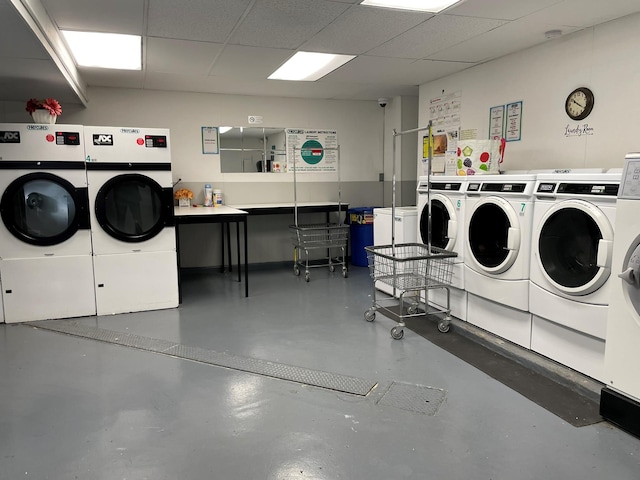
[132, 223]
[45, 238]
[620, 401]
[574, 214]
[446, 193]
[498, 223]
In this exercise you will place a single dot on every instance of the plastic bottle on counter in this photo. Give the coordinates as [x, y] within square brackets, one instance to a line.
[217, 198]
[208, 195]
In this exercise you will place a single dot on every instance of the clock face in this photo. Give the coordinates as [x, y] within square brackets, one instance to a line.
[579, 103]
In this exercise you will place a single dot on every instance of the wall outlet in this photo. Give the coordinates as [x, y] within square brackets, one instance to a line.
[381, 177]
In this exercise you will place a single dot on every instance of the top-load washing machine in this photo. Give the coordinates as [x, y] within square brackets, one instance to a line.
[620, 400]
[572, 243]
[132, 223]
[45, 238]
[446, 193]
[498, 219]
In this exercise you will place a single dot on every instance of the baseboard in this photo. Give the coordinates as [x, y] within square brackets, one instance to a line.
[620, 410]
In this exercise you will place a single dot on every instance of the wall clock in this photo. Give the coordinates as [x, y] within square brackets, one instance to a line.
[579, 103]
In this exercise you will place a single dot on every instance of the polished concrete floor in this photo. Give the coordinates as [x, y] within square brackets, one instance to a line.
[73, 407]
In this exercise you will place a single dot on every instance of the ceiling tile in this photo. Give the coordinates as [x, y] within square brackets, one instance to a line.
[249, 62]
[581, 13]
[202, 20]
[361, 29]
[113, 16]
[511, 10]
[16, 38]
[285, 23]
[506, 39]
[180, 56]
[437, 33]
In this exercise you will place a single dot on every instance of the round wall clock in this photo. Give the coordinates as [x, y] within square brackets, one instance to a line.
[579, 103]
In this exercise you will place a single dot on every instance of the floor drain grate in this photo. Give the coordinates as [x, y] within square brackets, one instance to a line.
[305, 376]
[413, 398]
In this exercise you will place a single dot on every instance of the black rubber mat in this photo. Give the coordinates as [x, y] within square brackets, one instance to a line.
[558, 399]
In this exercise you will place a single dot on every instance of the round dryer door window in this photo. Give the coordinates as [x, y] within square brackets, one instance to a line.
[130, 207]
[42, 209]
[440, 218]
[574, 247]
[494, 235]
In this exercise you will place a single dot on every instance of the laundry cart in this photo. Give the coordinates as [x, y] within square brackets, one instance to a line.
[409, 270]
[330, 238]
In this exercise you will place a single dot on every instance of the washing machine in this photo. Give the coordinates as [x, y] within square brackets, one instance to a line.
[498, 220]
[403, 230]
[45, 239]
[572, 242]
[620, 400]
[132, 222]
[447, 196]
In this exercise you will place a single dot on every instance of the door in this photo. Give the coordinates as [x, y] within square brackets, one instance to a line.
[444, 223]
[493, 235]
[44, 209]
[574, 243]
[133, 207]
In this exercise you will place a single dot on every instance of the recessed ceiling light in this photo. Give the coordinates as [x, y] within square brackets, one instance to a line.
[105, 50]
[432, 6]
[309, 66]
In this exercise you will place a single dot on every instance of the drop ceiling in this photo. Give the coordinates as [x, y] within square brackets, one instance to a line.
[231, 46]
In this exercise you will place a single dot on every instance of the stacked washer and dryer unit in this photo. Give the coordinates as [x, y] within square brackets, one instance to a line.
[620, 399]
[45, 238]
[446, 194]
[132, 222]
[573, 235]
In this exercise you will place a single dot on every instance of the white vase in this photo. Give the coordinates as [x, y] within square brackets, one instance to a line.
[184, 202]
[43, 116]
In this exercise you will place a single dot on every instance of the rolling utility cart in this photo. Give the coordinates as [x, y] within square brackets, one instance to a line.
[331, 237]
[409, 269]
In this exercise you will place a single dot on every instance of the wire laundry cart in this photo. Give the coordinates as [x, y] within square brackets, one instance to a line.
[331, 238]
[409, 268]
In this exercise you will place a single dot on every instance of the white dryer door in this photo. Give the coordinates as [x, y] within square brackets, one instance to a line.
[631, 277]
[444, 222]
[574, 243]
[494, 235]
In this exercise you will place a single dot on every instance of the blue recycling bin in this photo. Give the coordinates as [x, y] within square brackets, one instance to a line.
[360, 220]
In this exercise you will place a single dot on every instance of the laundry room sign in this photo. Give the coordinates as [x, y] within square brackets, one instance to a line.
[312, 150]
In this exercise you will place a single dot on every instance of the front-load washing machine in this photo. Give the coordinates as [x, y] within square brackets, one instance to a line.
[572, 242]
[45, 237]
[132, 223]
[620, 400]
[401, 230]
[498, 219]
[447, 197]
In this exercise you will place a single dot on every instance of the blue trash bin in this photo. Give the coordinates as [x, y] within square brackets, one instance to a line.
[360, 220]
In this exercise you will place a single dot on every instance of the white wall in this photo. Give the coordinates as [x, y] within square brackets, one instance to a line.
[604, 58]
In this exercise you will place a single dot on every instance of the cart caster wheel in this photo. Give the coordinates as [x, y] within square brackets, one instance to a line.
[444, 327]
[412, 310]
[345, 273]
[370, 315]
[332, 268]
[397, 333]
[296, 271]
[307, 276]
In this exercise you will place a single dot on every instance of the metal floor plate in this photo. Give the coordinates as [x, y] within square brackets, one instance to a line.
[414, 398]
[305, 376]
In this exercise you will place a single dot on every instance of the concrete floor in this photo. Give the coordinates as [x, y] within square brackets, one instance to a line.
[78, 408]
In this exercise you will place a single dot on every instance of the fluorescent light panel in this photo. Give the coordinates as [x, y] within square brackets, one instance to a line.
[432, 6]
[309, 66]
[105, 50]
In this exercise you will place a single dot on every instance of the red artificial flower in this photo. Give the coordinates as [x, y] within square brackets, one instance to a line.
[50, 104]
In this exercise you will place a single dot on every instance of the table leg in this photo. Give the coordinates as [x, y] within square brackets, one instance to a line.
[222, 225]
[229, 246]
[238, 250]
[246, 259]
[177, 231]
